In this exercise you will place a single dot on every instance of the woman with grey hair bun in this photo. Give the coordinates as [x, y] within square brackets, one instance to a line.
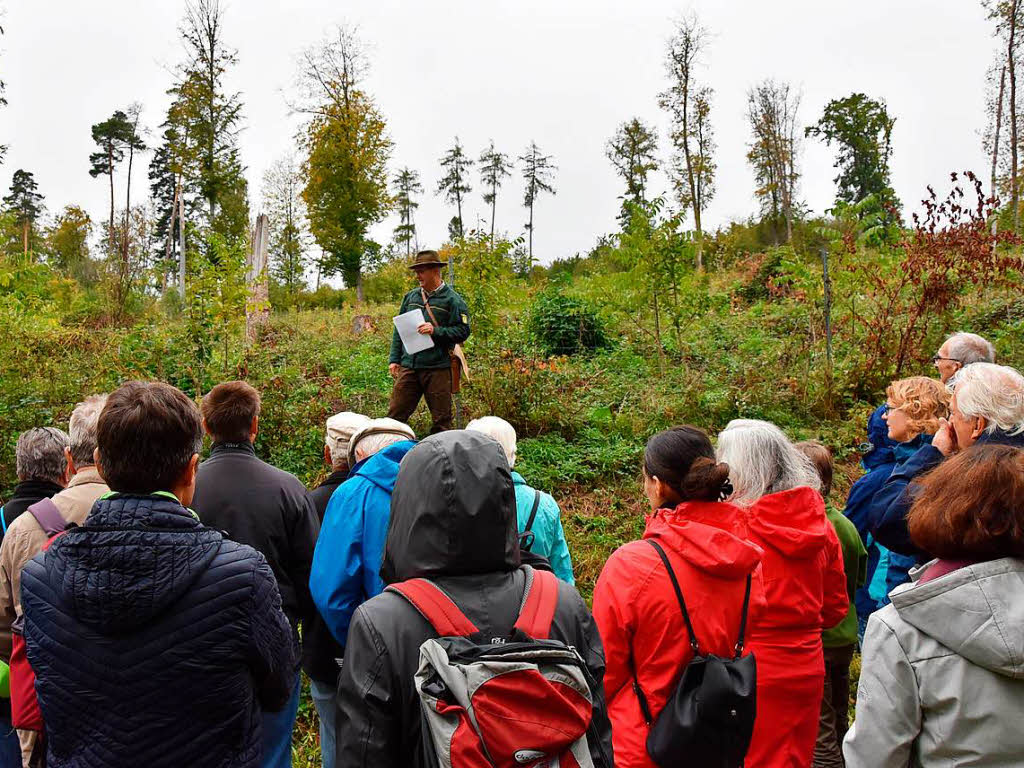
[804, 584]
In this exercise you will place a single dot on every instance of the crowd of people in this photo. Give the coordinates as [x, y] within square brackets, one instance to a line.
[167, 606]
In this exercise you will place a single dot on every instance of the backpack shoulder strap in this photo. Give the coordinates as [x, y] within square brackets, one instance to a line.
[48, 516]
[539, 604]
[743, 618]
[679, 595]
[527, 534]
[533, 512]
[436, 607]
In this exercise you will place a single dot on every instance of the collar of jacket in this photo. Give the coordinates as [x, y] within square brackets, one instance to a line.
[126, 508]
[35, 488]
[227, 447]
[905, 450]
[517, 479]
[85, 476]
[336, 478]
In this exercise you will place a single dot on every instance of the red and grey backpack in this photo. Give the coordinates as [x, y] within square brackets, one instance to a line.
[25, 713]
[522, 702]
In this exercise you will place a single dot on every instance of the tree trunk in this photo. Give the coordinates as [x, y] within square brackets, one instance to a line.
[657, 331]
[110, 161]
[24, 236]
[700, 238]
[494, 204]
[531, 231]
[458, 207]
[1011, 63]
[360, 296]
[181, 241]
[995, 152]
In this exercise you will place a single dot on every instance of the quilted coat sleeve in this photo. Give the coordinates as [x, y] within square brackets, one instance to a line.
[888, 706]
[336, 578]
[368, 723]
[272, 651]
[836, 599]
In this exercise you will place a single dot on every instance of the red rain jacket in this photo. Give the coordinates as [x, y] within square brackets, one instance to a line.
[639, 617]
[805, 587]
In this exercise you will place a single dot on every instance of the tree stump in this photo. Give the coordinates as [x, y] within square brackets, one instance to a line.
[362, 323]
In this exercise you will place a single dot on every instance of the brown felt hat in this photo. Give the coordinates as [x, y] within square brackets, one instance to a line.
[426, 259]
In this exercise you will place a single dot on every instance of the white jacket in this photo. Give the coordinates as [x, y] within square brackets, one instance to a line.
[942, 674]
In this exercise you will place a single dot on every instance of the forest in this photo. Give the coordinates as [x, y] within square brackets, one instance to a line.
[789, 315]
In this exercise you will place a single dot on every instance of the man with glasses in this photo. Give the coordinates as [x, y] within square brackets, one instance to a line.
[959, 351]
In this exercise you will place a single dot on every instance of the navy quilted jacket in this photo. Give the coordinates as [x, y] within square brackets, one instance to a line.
[155, 640]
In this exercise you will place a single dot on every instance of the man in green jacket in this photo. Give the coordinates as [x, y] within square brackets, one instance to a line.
[428, 374]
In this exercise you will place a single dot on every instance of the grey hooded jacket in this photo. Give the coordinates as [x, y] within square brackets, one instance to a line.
[453, 521]
[942, 681]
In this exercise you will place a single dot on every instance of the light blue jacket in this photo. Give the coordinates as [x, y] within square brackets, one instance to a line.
[548, 536]
[348, 554]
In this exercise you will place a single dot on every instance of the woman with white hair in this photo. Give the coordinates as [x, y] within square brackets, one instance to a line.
[804, 584]
[537, 512]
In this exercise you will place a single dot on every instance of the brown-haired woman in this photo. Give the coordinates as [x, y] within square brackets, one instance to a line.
[942, 679]
[635, 606]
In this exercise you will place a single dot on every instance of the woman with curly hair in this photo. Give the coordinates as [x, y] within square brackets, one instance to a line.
[913, 409]
[942, 679]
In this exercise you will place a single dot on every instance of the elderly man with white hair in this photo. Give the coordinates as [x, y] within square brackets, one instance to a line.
[42, 470]
[540, 521]
[959, 351]
[987, 407]
[349, 551]
[320, 651]
[26, 536]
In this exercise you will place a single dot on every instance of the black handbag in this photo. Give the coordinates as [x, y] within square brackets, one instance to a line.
[709, 719]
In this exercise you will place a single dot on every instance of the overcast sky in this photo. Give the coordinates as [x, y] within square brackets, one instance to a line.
[565, 73]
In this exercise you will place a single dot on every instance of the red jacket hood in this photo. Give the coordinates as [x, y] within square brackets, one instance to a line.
[708, 535]
[792, 522]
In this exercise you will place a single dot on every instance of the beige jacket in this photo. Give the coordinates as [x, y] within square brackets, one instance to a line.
[25, 539]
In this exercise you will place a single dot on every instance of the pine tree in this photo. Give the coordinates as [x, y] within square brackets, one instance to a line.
[538, 172]
[406, 184]
[286, 214]
[26, 203]
[112, 136]
[454, 185]
[494, 166]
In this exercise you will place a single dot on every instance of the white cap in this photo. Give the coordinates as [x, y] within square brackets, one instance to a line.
[340, 429]
[379, 427]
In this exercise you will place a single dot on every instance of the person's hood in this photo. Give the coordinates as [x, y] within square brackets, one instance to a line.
[792, 522]
[453, 510]
[976, 611]
[1002, 437]
[708, 535]
[905, 450]
[882, 448]
[381, 469]
[134, 557]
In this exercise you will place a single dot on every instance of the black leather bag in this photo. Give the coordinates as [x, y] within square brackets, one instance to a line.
[709, 719]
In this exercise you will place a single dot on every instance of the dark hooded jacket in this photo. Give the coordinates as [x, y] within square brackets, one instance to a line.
[155, 640]
[893, 501]
[453, 520]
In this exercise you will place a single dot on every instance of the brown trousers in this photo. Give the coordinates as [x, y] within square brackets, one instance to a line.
[432, 384]
[835, 709]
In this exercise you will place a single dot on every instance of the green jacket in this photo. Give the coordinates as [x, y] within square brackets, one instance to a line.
[855, 561]
[452, 328]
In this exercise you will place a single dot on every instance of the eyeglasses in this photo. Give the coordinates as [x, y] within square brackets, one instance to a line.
[937, 358]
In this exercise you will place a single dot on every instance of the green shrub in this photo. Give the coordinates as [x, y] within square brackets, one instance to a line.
[563, 325]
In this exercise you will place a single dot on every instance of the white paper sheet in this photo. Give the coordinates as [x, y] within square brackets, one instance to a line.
[406, 325]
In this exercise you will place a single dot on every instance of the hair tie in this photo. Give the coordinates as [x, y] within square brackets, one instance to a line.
[726, 490]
